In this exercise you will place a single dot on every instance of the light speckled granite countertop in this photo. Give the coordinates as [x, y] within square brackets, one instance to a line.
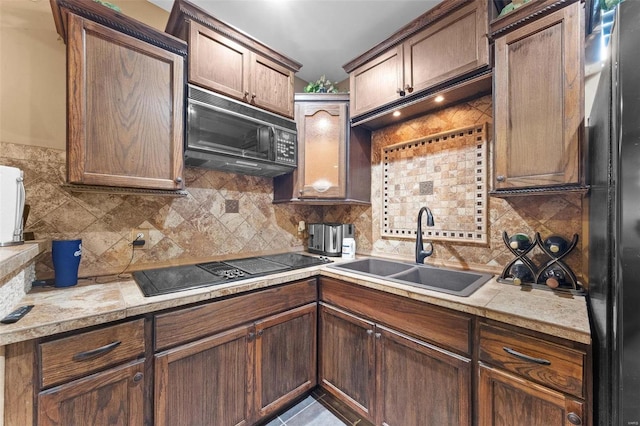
[93, 302]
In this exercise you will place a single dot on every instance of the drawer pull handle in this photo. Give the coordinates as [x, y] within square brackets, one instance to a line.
[93, 353]
[540, 361]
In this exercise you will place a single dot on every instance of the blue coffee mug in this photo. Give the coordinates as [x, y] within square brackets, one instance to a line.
[66, 256]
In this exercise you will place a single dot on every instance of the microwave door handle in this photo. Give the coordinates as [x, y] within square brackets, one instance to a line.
[272, 143]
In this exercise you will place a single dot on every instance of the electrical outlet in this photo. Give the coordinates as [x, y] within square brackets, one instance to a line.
[138, 235]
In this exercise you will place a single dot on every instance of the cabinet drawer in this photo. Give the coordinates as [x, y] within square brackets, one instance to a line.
[189, 324]
[81, 354]
[550, 364]
[445, 328]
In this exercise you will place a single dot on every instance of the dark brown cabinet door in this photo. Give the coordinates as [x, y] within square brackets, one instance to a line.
[507, 400]
[346, 364]
[285, 358]
[322, 139]
[334, 160]
[420, 384]
[272, 86]
[125, 110]
[114, 396]
[451, 47]
[218, 63]
[207, 382]
[539, 102]
[377, 82]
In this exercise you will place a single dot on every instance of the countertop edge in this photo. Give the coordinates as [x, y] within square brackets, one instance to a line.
[126, 300]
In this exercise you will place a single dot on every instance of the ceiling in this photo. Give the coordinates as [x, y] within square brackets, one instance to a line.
[322, 35]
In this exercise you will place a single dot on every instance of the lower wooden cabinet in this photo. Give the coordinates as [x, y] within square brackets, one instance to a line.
[238, 376]
[285, 365]
[420, 384]
[391, 378]
[505, 399]
[527, 378]
[206, 382]
[346, 364]
[114, 396]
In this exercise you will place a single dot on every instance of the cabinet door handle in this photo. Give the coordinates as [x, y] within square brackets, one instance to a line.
[251, 336]
[253, 96]
[378, 335]
[178, 179]
[408, 88]
[574, 419]
[400, 92]
[93, 353]
[260, 333]
[517, 354]
[500, 178]
[369, 332]
[137, 377]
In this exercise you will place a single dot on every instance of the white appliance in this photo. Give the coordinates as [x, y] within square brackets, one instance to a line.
[12, 199]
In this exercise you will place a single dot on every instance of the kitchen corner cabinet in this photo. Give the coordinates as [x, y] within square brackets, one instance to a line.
[539, 104]
[334, 160]
[232, 63]
[241, 374]
[125, 99]
[452, 43]
[524, 379]
[382, 372]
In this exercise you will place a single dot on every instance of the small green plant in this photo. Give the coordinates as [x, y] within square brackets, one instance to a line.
[322, 85]
[109, 5]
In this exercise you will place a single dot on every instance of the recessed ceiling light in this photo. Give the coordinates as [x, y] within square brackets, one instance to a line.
[439, 98]
[396, 113]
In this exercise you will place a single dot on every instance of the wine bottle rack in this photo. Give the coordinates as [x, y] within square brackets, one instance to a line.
[538, 271]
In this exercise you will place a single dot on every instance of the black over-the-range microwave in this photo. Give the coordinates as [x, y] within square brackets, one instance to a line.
[232, 136]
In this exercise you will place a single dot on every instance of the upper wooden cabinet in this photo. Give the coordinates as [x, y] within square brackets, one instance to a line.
[539, 102]
[125, 99]
[334, 159]
[447, 42]
[228, 61]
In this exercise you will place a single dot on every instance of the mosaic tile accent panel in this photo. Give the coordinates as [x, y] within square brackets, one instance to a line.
[547, 214]
[223, 214]
[447, 173]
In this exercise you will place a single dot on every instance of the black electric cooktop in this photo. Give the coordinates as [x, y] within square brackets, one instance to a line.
[154, 282]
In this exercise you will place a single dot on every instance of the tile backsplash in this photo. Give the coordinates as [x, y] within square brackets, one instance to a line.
[223, 214]
[228, 214]
[547, 214]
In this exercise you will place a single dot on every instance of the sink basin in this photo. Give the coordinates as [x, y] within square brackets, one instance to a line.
[459, 283]
[376, 267]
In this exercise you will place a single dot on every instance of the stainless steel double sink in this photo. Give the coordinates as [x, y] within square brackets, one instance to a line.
[459, 283]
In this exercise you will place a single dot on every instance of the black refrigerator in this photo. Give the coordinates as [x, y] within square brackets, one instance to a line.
[614, 225]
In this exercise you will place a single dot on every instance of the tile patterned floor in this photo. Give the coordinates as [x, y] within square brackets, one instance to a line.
[317, 409]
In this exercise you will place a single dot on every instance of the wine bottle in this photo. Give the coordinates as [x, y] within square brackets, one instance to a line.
[556, 244]
[520, 273]
[520, 242]
[554, 277]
